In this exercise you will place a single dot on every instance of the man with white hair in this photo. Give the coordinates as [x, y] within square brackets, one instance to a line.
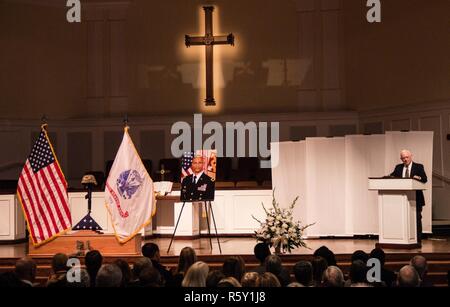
[410, 169]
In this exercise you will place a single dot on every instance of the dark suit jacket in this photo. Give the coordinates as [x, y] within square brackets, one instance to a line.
[202, 190]
[416, 169]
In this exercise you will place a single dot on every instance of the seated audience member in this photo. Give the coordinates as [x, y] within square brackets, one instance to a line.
[229, 282]
[387, 276]
[84, 282]
[408, 277]
[319, 265]
[126, 272]
[268, 280]
[250, 279]
[333, 277]
[138, 266]
[213, 278]
[234, 267]
[93, 261]
[360, 255]
[358, 274]
[261, 251]
[151, 251]
[295, 285]
[187, 258]
[327, 254]
[11, 280]
[25, 270]
[196, 275]
[303, 273]
[275, 266]
[149, 277]
[59, 268]
[108, 276]
[420, 264]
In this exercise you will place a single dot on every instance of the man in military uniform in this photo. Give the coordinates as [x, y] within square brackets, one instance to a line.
[197, 186]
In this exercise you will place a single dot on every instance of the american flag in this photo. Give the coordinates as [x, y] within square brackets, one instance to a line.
[42, 190]
[186, 162]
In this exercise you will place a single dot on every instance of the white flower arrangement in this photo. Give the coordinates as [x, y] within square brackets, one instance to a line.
[279, 229]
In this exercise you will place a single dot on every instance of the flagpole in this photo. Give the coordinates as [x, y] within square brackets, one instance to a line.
[125, 122]
[44, 122]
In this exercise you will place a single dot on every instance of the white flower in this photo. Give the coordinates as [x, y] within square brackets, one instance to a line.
[284, 225]
[278, 217]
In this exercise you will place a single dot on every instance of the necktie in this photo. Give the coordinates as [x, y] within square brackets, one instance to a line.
[195, 179]
[407, 172]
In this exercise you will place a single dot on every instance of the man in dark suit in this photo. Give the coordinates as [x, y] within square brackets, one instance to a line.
[197, 186]
[410, 169]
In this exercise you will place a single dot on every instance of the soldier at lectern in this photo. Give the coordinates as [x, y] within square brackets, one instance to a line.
[410, 169]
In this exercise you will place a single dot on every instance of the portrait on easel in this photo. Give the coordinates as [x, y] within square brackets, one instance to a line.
[198, 175]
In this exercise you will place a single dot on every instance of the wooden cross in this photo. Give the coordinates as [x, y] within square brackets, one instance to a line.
[209, 40]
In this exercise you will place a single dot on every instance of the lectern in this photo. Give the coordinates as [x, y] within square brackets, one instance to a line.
[397, 211]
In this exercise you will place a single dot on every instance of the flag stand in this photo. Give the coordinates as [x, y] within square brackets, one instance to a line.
[207, 222]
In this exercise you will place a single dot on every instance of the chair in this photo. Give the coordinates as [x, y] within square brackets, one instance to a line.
[247, 168]
[224, 168]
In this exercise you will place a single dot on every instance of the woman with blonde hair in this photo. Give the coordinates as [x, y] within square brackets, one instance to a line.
[196, 275]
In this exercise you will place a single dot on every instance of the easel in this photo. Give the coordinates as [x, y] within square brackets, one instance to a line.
[207, 221]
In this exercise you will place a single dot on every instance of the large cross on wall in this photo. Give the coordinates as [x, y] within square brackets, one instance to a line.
[209, 40]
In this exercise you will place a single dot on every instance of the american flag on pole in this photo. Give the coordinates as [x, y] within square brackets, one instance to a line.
[186, 162]
[42, 191]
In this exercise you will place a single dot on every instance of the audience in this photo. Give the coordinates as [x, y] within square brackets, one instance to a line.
[358, 274]
[196, 275]
[213, 278]
[408, 277]
[149, 277]
[303, 272]
[187, 258]
[268, 280]
[229, 282]
[139, 266]
[151, 251]
[275, 266]
[93, 261]
[126, 272]
[333, 277]
[326, 254]
[261, 251]
[360, 255]
[234, 267]
[250, 279]
[387, 276]
[148, 271]
[108, 276]
[25, 270]
[59, 267]
[319, 265]
[420, 264]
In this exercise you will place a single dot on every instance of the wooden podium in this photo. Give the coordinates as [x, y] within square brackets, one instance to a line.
[70, 244]
[397, 211]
